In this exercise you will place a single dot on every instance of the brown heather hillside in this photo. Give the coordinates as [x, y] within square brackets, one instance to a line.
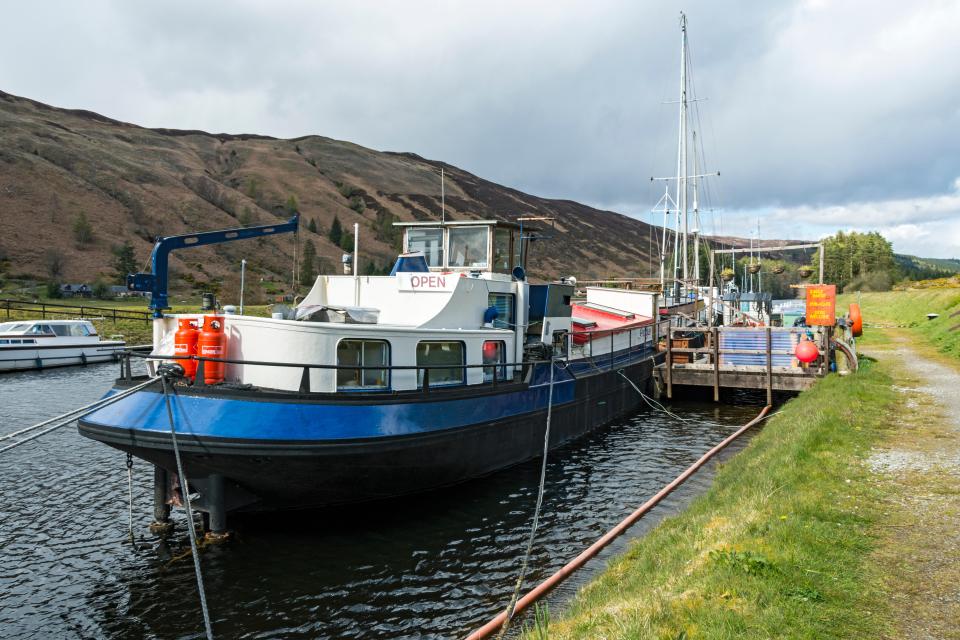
[134, 183]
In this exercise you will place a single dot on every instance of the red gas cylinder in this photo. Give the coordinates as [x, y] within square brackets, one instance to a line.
[806, 351]
[212, 344]
[185, 344]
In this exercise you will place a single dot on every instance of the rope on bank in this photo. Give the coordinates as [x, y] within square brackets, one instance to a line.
[190, 523]
[538, 592]
[70, 417]
[508, 613]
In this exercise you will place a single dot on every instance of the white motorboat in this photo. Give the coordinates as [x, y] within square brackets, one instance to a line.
[41, 344]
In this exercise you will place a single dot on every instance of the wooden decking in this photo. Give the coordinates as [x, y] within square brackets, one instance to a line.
[771, 367]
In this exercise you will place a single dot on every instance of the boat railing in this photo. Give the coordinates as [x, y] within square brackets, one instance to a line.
[498, 369]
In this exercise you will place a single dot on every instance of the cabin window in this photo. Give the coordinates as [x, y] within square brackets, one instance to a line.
[39, 329]
[62, 330]
[506, 310]
[502, 250]
[494, 352]
[82, 330]
[430, 242]
[438, 356]
[363, 353]
[3, 341]
[18, 327]
[468, 247]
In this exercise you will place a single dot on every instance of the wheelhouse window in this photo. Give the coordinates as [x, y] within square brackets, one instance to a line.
[430, 242]
[82, 330]
[62, 330]
[506, 311]
[468, 247]
[502, 250]
[363, 353]
[494, 353]
[439, 355]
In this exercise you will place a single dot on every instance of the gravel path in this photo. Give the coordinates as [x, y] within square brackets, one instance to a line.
[919, 469]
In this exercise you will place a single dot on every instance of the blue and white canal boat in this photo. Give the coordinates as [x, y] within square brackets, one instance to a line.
[388, 385]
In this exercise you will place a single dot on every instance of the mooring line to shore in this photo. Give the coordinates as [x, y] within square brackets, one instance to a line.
[544, 587]
[511, 608]
[191, 526]
[70, 416]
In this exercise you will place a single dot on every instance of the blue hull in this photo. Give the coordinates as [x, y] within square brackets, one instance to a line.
[279, 451]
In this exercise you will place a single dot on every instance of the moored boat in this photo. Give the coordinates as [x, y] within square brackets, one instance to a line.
[389, 385]
[42, 344]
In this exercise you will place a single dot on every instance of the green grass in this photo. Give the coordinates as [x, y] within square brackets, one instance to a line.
[777, 548]
[910, 308]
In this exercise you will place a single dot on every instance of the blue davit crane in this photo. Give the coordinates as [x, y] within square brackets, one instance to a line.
[156, 281]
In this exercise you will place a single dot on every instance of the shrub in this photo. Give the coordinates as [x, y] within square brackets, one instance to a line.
[82, 231]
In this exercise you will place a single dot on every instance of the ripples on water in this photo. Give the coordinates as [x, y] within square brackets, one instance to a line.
[432, 566]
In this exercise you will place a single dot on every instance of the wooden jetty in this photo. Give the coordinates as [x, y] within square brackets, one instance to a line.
[741, 358]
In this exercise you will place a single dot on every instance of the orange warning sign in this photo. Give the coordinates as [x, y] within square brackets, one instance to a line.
[822, 305]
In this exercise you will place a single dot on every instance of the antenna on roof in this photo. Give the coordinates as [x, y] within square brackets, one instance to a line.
[443, 199]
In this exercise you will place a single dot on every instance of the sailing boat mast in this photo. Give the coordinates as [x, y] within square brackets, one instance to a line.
[682, 144]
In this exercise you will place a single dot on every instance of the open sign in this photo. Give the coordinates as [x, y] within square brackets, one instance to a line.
[426, 281]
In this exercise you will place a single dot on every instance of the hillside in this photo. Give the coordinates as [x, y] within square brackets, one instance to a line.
[134, 183]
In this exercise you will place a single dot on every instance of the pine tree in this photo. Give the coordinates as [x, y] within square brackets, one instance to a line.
[336, 231]
[124, 261]
[307, 271]
[312, 226]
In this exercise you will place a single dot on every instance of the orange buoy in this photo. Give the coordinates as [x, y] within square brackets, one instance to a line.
[212, 344]
[806, 351]
[185, 344]
[856, 320]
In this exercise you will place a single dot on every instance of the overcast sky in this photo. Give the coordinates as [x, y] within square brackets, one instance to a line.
[819, 115]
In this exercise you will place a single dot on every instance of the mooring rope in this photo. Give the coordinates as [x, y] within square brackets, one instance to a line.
[653, 404]
[74, 415]
[186, 501]
[536, 513]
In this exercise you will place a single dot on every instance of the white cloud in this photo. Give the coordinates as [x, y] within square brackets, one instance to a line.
[824, 110]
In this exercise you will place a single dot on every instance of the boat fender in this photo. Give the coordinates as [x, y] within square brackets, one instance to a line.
[806, 351]
[212, 344]
[856, 320]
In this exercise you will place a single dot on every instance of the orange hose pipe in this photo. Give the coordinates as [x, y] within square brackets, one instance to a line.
[540, 590]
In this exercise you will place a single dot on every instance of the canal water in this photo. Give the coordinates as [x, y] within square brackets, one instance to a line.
[433, 566]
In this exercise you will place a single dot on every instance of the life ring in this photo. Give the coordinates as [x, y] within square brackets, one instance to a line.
[856, 320]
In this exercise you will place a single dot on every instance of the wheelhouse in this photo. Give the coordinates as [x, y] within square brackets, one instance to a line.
[467, 245]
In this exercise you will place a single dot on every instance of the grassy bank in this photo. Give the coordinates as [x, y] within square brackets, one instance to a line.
[907, 311]
[777, 548]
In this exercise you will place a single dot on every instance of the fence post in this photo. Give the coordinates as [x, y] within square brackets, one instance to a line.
[669, 364]
[715, 338]
[769, 366]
